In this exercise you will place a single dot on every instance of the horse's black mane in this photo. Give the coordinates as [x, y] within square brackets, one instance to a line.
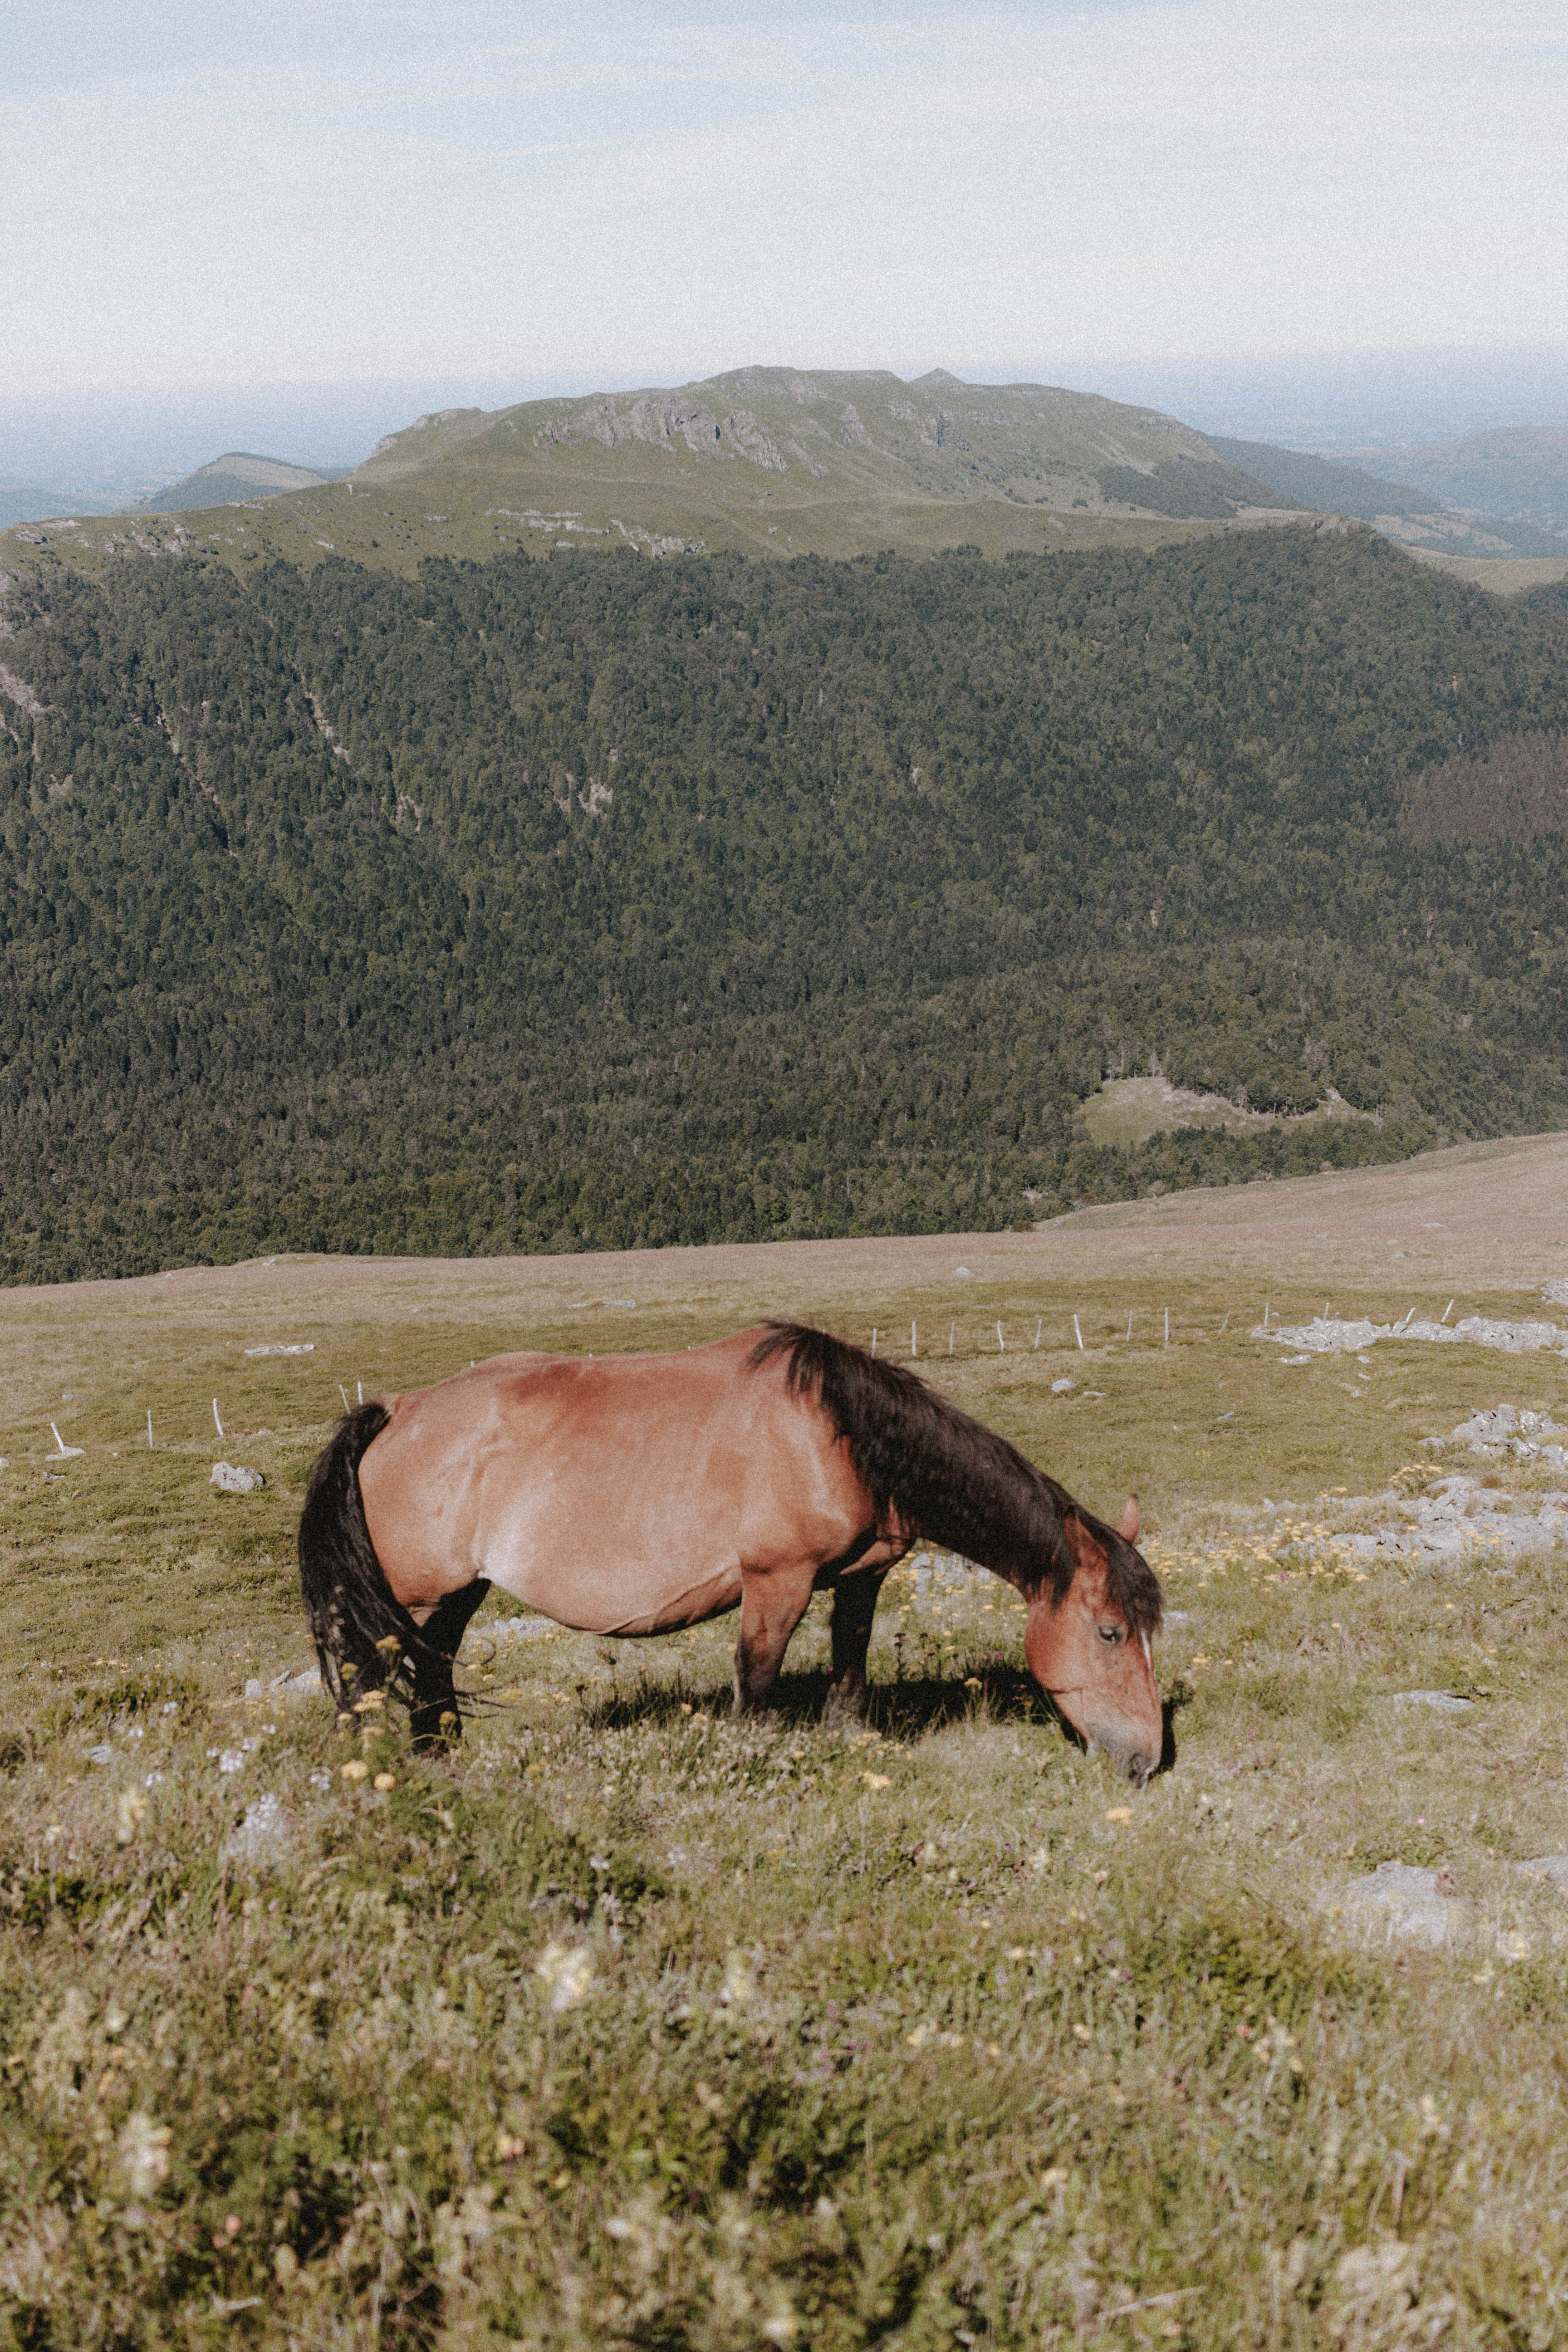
[951, 1479]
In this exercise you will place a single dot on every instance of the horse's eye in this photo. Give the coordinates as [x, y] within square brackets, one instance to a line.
[1110, 1632]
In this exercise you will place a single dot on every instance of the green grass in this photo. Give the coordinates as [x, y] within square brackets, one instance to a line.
[631, 2025]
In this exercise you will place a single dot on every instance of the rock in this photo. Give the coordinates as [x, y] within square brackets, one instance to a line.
[1440, 1701]
[1399, 1903]
[1504, 1429]
[1335, 1335]
[262, 1837]
[253, 1687]
[1060, 1388]
[1461, 1517]
[286, 1348]
[515, 1629]
[233, 1478]
[296, 1686]
[1556, 1293]
[1553, 1867]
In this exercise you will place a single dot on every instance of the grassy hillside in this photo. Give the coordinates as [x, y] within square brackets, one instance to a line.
[551, 904]
[630, 2025]
[228, 480]
[765, 461]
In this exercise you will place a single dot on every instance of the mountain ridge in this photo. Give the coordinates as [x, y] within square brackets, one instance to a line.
[772, 461]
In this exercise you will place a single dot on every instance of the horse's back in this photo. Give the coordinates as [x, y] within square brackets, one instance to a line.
[615, 1493]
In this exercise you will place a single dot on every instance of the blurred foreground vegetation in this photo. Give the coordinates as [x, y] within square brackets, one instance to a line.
[631, 2025]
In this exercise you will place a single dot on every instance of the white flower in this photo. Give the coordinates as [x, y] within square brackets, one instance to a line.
[568, 1971]
[739, 1983]
[321, 1779]
[232, 1760]
[144, 2152]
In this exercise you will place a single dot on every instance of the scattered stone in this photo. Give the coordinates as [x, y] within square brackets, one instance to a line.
[296, 1348]
[514, 1629]
[1552, 1866]
[1556, 1293]
[1440, 1701]
[4, 1461]
[1335, 1335]
[262, 1837]
[962, 1274]
[1458, 1517]
[1508, 1430]
[233, 1478]
[253, 1687]
[296, 1686]
[1060, 1388]
[1402, 1903]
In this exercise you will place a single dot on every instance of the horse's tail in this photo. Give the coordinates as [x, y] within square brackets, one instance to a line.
[364, 1637]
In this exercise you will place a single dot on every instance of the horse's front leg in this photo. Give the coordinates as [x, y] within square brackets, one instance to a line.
[772, 1602]
[854, 1606]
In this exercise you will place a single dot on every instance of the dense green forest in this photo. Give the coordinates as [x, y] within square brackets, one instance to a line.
[599, 902]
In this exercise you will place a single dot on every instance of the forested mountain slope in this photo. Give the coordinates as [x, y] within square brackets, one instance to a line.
[594, 902]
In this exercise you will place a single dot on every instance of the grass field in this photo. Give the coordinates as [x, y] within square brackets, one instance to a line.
[630, 2025]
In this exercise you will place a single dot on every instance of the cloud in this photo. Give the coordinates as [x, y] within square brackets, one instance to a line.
[342, 191]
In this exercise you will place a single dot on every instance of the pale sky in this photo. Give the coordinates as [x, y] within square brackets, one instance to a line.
[199, 192]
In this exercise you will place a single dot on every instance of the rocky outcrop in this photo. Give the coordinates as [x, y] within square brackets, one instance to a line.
[662, 418]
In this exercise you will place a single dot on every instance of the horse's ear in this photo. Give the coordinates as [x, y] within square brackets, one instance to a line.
[1127, 1525]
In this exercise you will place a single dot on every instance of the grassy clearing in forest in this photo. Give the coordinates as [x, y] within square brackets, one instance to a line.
[632, 2024]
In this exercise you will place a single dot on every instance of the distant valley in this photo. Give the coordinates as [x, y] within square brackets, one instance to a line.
[1516, 478]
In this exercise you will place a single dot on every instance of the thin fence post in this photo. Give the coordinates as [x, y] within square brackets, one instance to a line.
[1037, 1331]
[1266, 1307]
[359, 1391]
[1000, 1343]
[344, 1394]
[1167, 1327]
[1228, 1316]
[216, 1417]
[873, 1339]
[1130, 1322]
[1078, 1334]
[149, 1429]
[1447, 1310]
[914, 1339]
[951, 1329]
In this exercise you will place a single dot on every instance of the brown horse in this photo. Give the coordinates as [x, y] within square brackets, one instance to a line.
[635, 1495]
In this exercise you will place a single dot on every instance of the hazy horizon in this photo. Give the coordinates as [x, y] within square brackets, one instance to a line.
[203, 200]
[113, 443]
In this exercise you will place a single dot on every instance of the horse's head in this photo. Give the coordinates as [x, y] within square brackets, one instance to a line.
[1089, 1646]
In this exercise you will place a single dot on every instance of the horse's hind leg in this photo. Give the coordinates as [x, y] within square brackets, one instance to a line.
[854, 1606]
[433, 1715]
